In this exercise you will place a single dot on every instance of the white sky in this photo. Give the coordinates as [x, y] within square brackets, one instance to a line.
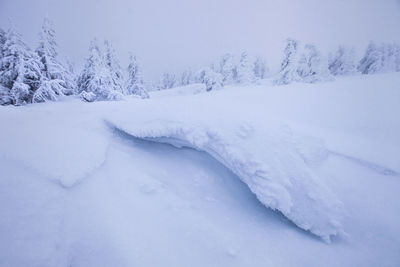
[170, 35]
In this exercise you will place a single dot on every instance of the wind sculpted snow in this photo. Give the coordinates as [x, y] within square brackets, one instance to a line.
[273, 162]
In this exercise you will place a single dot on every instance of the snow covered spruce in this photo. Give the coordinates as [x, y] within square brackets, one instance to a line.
[100, 78]
[28, 76]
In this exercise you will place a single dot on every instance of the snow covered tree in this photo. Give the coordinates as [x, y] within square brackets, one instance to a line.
[244, 70]
[186, 77]
[389, 57]
[259, 68]
[311, 67]
[372, 60]
[288, 72]
[2, 41]
[380, 58]
[168, 81]
[20, 71]
[95, 81]
[114, 67]
[55, 76]
[212, 79]
[48, 90]
[214, 67]
[228, 69]
[5, 97]
[397, 56]
[71, 67]
[4, 92]
[135, 84]
[342, 62]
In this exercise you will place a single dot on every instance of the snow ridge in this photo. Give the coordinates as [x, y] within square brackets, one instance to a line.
[275, 164]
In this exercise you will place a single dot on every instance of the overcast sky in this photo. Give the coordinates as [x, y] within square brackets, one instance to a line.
[170, 35]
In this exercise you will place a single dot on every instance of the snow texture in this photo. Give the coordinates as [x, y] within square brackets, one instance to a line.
[74, 193]
[64, 155]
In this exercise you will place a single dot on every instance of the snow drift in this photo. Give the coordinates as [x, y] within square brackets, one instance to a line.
[73, 194]
[273, 163]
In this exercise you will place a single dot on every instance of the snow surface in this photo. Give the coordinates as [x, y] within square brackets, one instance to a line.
[76, 192]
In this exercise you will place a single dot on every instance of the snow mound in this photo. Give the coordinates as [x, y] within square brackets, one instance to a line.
[191, 89]
[274, 162]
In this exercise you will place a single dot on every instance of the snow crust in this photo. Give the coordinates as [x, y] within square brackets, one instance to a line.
[272, 161]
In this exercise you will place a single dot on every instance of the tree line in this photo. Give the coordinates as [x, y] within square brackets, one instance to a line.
[305, 64]
[299, 64]
[32, 76]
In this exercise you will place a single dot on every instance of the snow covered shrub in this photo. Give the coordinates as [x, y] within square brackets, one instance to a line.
[312, 67]
[56, 76]
[96, 77]
[135, 84]
[20, 70]
[342, 62]
[228, 69]
[211, 79]
[115, 95]
[87, 96]
[288, 72]
[244, 70]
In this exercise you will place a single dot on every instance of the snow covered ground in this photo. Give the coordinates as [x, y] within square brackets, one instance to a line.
[256, 176]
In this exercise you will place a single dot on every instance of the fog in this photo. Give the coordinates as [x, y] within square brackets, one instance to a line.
[171, 35]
